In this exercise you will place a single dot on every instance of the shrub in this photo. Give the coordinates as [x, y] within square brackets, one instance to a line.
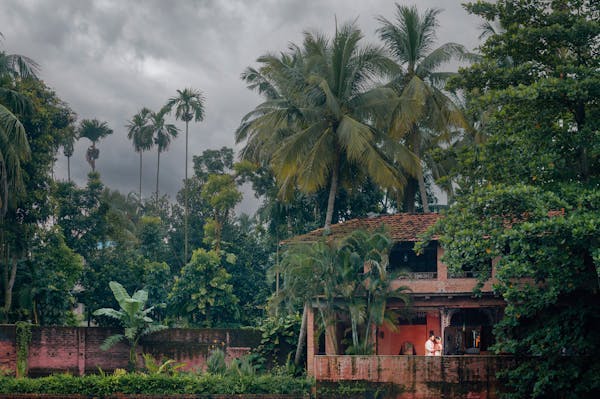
[211, 384]
[215, 364]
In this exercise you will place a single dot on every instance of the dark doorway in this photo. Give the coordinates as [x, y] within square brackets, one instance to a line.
[470, 332]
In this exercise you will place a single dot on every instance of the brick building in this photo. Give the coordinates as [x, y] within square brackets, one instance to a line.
[442, 302]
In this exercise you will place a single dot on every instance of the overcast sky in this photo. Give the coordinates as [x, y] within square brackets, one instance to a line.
[108, 58]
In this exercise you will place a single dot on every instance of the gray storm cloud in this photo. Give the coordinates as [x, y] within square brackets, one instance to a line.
[107, 59]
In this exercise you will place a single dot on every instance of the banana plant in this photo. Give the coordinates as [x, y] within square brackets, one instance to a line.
[133, 317]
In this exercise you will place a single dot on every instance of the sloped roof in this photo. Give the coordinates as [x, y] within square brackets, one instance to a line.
[401, 226]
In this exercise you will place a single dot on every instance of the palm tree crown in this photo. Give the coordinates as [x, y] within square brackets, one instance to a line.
[320, 103]
[425, 114]
[93, 130]
[162, 134]
[189, 104]
[14, 146]
[141, 136]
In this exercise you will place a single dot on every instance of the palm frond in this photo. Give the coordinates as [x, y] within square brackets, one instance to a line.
[441, 55]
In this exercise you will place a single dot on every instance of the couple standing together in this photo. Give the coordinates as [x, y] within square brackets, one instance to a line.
[433, 345]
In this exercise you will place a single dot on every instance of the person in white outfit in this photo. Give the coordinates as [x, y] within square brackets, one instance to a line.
[430, 345]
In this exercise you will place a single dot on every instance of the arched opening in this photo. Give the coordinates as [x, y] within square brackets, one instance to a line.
[469, 332]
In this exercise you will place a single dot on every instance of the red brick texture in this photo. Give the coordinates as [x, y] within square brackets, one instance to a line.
[418, 377]
[77, 349]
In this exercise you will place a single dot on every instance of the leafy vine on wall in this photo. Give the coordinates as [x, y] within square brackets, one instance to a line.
[23, 338]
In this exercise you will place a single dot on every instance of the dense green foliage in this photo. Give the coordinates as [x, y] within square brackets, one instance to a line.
[529, 195]
[99, 386]
[345, 128]
[348, 279]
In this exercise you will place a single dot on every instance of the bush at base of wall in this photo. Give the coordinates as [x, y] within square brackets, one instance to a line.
[99, 386]
[358, 389]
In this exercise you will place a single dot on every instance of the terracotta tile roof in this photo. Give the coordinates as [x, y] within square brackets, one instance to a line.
[401, 226]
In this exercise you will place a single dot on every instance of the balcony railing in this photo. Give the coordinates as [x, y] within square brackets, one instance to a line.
[418, 276]
[463, 274]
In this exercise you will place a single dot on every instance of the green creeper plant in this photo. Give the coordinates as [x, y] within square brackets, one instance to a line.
[23, 335]
[134, 318]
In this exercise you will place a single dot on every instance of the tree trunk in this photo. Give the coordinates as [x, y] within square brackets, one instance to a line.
[10, 283]
[93, 160]
[416, 147]
[332, 194]
[157, 172]
[410, 192]
[69, 169]
[302, 335]
[185, 195]
[4, 187]
[423, 193]
[140, 188]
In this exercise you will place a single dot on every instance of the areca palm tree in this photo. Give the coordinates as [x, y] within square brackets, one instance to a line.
[93, 130]
[423, 106]
[141, 136]
[320, 115]
[162, 134]
[68, 145]
[189, 105]
[308, 271]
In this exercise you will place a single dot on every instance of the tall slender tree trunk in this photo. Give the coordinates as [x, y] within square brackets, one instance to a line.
[140, 188]
[410, 192]
[302, 335]
[423, 192]
[69, 169]
[416, 144]
[10, 277]
[157, 173]
[185, 195]
[332, 193]
[4, 187]
[93, 162]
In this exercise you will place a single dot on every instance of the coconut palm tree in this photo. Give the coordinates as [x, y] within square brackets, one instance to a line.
[189, 105]
[14, 147]
[93, 130]
[14, 150]
[320, 116]
[422, 102]
[162, 134]
[141, 136]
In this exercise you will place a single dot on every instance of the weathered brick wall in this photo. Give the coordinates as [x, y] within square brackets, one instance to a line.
[77, 349]
[8, 349]
[418, 377]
